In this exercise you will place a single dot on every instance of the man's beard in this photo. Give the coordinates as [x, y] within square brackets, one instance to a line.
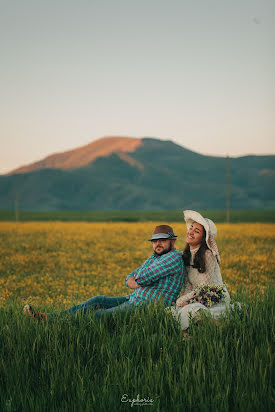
[165, 250]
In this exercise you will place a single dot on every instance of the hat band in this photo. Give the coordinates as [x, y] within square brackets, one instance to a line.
[168, 235]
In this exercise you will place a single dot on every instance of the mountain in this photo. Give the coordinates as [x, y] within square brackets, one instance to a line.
[83, 155]
[138, 174]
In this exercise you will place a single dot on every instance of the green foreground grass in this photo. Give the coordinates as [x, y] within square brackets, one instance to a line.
[80, 364]
[236, 216]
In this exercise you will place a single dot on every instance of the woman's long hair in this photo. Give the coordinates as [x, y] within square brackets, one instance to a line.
[199, 260]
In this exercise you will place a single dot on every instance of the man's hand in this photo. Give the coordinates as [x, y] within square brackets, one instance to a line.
[132, 283]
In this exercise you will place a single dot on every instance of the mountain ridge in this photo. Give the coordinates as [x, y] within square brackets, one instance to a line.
[83, 155]
[156, 175]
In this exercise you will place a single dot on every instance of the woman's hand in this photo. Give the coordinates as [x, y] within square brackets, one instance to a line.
[181, 305]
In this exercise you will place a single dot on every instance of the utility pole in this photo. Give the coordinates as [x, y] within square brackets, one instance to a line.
[16, 207]
[227, 189]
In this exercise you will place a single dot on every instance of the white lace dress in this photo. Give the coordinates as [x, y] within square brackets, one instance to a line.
[193, 278]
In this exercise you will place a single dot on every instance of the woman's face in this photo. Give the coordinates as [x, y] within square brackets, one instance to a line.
[194, 235]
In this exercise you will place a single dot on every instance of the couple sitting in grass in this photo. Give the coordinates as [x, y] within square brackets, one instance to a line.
[163, 274]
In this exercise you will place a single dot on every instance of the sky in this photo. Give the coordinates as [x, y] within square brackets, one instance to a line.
[199, 73]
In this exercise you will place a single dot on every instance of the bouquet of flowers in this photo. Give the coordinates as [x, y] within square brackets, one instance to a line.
[208, 295]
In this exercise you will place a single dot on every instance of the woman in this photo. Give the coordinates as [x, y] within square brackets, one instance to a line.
[202, 260]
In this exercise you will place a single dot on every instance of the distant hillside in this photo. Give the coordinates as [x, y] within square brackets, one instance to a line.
[83, 155]
[149, 174]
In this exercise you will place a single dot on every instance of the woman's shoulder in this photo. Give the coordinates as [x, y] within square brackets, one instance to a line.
[210, 259]
[208, 254]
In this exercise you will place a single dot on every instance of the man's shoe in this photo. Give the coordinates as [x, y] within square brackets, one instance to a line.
[35, 315]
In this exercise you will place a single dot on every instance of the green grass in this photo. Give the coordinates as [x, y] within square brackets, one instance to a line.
[79, 364]
[265, 216]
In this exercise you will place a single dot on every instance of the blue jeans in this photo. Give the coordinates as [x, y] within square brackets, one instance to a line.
[106, 305]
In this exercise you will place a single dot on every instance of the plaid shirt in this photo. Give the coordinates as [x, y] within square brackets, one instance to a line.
[158, 276]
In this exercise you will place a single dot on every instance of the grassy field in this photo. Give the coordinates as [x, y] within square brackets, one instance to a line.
[236, 216]
[78, 364]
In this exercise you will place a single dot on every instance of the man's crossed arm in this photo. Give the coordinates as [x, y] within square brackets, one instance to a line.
[152, 271]
[132, 284]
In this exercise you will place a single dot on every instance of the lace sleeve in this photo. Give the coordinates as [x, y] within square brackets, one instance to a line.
[214, 273]
[212, 269]
[188, 290]
[187, 285]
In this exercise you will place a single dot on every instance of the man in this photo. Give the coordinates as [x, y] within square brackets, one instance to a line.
[160, 276]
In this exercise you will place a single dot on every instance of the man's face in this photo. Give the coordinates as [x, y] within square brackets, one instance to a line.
[162, 246]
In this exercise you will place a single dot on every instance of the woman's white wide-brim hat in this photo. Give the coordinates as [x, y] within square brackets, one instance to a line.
[190, 216]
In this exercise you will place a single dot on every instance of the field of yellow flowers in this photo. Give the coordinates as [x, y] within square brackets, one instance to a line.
[64, 263]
